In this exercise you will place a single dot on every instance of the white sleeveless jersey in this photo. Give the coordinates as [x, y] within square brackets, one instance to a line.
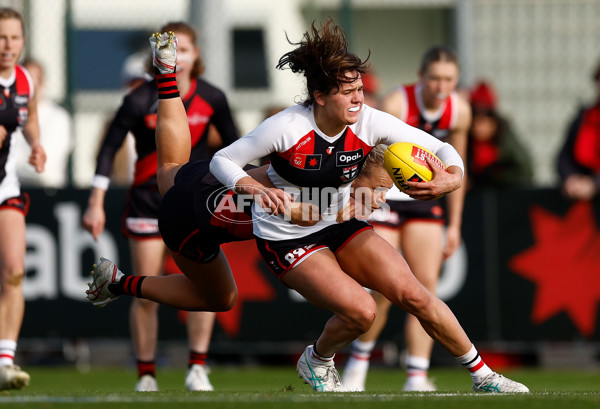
[15, 94]
[310, 165]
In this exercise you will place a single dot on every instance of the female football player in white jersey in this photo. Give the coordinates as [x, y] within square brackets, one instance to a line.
[18, 112]
[316, 149]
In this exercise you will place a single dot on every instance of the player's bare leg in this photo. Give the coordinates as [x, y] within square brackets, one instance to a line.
[12, 300]
[422, 245]
[147, 260]
[355, 373]
[397, 283]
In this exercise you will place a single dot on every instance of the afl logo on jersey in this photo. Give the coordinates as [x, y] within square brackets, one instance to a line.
[347, 158]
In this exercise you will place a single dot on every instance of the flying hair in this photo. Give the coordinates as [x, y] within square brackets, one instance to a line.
[323, 58]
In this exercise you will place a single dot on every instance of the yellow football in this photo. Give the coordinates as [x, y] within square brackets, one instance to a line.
[405, 161]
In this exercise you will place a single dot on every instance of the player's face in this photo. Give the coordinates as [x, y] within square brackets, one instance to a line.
[187, 53]
[342, 106]
[438, 81]
[12, 42]
[371, 190]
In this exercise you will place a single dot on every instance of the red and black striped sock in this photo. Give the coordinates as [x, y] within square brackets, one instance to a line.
[128, 285]
[167, 86]
[197, 358]
[146, 368]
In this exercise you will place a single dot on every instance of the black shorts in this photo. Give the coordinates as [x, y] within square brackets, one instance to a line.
[404, 211]
[19, 203]
[187, 224]
[140, 218]
[283, 255]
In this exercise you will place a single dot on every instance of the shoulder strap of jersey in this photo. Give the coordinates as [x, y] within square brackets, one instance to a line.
[23, 81]
[450, 114]
[411, 108]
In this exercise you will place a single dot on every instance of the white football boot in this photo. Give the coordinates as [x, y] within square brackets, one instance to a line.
[13, 377]
[419, 384]
[322, 378]
[197, 379]
[103, 274]
[146, 383]
[496, 383]
[164, 51]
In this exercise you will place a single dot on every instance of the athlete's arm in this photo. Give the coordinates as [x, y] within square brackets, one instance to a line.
[227, 164]
[388, 129]
[94, 217]
[31, 131]
[222, 119]
[458, 138]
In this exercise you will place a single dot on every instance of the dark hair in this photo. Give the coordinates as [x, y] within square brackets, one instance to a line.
[435, 54]
[323, 58]
[185, 28]
[8, 13]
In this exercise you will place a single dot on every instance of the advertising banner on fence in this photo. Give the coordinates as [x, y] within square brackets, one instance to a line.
[528, 270]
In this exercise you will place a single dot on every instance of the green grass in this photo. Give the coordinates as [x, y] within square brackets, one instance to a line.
[279, 387]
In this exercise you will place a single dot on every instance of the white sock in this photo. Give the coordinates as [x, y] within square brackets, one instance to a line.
[317, 359]
[8, 348]
[473, 362]
[362, 350]
[416, 366]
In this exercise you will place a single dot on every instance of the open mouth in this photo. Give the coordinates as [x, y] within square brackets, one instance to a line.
[354, 109]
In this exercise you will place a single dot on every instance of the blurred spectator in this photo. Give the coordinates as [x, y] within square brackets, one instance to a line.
[495, 157]
[579, 158]
[134, 72]
[55, 137]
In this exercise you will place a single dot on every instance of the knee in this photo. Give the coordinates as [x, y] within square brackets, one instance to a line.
[362, 315]
[417, 301]
[12, 277]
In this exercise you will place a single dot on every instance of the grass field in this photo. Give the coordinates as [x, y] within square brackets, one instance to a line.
[279, 387]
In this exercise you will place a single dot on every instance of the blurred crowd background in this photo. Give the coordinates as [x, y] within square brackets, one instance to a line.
[538, 54]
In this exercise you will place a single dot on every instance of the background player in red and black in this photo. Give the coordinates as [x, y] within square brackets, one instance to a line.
[208, 114]
[17, 111]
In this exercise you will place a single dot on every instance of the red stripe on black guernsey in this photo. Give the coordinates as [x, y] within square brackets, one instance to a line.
[14, 111]
[315, 162]
[204, 105]
[22, 84]
[439, 128]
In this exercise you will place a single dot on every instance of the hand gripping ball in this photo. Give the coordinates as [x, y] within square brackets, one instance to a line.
[405, 161]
